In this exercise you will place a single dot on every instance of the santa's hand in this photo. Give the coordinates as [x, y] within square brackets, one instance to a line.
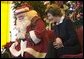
[14, 44]
[13, 51]
[23, 47]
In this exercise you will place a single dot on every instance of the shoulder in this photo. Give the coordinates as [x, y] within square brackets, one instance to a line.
[36, 19]
[67, 21]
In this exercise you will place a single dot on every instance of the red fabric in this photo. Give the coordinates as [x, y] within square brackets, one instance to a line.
[23, 5]
[80, 36]
[8, 45]
[39, 28]
[28, 55]
[73, 56]
[40, 32]
[50, 34]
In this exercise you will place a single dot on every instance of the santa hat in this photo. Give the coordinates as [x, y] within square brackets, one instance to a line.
[24, 7]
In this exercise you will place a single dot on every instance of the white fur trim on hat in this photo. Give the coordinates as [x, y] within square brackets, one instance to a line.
[21, 10]
[34, 38]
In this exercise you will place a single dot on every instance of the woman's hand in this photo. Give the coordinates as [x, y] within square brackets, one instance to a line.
[58, 43]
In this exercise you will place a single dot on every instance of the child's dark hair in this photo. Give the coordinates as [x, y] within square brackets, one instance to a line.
[55, 11]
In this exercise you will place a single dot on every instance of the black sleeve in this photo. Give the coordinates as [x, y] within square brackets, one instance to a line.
[71, 33]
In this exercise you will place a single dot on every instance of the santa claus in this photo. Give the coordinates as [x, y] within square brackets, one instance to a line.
[31, 37]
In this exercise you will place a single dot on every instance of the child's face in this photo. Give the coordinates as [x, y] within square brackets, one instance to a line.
[50, 16]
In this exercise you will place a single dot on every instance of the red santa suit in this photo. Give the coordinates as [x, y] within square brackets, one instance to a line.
[32, 30]
[35, 38]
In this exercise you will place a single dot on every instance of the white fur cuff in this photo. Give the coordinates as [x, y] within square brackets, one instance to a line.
[33, 37]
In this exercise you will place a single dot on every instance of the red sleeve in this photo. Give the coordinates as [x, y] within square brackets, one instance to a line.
[51, 35]
[39, 28]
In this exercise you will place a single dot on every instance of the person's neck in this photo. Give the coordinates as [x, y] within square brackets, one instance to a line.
[57, 19]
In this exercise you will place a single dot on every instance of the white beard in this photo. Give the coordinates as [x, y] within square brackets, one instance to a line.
[21, 27]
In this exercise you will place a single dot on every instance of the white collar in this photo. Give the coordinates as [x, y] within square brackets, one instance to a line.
[61, 20]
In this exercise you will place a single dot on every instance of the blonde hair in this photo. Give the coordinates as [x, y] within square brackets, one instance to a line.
[31, 14]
